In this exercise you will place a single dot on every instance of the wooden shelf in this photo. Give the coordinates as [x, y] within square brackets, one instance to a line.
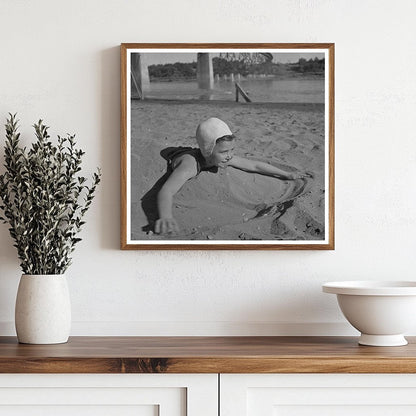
[206, 355]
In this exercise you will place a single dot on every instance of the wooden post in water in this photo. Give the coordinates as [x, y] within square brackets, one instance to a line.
[239, 90]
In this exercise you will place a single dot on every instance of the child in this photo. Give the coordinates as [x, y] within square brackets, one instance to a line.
[216, 150]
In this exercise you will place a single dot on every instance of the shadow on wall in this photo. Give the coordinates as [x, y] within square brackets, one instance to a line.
[108, 98]
[282, 315]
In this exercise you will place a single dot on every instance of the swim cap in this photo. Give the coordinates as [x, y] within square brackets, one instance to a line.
[208, 132]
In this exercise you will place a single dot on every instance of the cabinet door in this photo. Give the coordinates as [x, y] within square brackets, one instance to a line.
[108, 395]
[318, 394]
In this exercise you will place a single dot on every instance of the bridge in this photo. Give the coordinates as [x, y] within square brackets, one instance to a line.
[205, 74]
[248, 58]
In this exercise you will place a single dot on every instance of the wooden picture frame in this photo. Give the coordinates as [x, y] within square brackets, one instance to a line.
[291, 134]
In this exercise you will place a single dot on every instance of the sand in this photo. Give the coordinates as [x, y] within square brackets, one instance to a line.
[232, 204]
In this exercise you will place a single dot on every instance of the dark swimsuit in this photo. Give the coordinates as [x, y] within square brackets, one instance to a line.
[195, 153]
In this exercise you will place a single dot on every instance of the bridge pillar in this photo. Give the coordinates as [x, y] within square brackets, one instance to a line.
[140, 75]
[204, 71]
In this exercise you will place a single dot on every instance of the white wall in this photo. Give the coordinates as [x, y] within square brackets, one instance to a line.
[60, 62]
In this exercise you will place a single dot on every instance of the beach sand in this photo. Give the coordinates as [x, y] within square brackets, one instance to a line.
[232, 204]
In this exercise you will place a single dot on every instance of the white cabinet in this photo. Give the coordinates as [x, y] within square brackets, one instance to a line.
[317, 394]
[109, 394]
[197, 394]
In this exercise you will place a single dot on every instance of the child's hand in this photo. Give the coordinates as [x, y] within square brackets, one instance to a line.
[166, 226]
[299, 175]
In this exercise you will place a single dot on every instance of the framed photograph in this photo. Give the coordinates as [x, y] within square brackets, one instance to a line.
[227, 146]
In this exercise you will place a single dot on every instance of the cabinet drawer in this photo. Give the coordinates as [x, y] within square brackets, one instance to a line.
[317, 394]
[108, 394]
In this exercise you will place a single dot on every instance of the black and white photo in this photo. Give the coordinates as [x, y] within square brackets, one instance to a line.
[227, 147]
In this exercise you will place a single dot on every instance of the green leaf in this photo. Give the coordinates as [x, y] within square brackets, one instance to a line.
[43, 197]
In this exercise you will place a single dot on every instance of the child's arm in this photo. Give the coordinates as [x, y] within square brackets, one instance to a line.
[264, 168]
[184, 170]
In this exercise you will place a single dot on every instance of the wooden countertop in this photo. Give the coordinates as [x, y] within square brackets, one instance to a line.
[206, 355]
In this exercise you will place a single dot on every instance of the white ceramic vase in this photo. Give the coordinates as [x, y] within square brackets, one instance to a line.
[43, 309]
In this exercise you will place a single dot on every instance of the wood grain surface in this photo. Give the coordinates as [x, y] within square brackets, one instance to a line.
[206, 355]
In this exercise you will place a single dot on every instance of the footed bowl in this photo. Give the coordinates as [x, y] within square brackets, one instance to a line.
[381, 311]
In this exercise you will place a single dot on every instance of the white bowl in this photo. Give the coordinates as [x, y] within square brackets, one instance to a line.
[381, 311]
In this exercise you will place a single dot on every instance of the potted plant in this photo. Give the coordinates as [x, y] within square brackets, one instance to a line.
[44, 199]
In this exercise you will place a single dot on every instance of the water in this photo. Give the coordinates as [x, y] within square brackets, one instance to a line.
[293, 90]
